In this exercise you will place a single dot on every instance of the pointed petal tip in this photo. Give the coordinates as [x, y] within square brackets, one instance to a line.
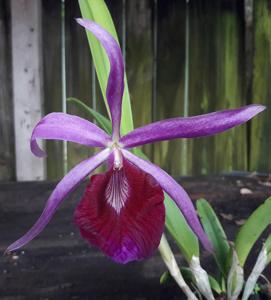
[79, 20]
[12, 247]
[41, 154]
[257, 108]
[84, 22]
[9, 250]
[6, 252]
[207, 245]
[36, 150]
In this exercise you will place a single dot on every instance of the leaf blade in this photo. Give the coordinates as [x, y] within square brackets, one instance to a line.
[252, 229]
[180, 231]
[101, 120]
[216, 234]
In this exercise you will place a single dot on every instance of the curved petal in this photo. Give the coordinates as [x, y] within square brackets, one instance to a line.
[122, 213]
[176, 192]
[61, 126]
[64, 187]
[190, 127]
[115, 85]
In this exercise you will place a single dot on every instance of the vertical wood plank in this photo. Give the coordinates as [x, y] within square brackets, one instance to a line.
[79, 74]
[261, 89]
[7, 171]
[51, 19]
[216, 82]
[170, 78]
[231, 147]
[139, 61]
[27, 84]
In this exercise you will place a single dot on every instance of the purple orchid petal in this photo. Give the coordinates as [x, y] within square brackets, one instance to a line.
[60, 126]
[176, 192]
[113, 215]
[64, 187]
[190, 127]
[115, 85]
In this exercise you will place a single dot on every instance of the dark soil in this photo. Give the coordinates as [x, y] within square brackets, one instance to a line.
[60, 265]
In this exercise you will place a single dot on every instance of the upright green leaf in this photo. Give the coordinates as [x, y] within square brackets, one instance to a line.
[188, 277]
[97, 11]
[235, 278]
[102, 121]
[260, 265]
[267, 245]
[216, 234]
[252, 229]
[179, 229]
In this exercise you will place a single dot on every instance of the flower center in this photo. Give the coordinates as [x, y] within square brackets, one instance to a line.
[118, 160]
[118, 163]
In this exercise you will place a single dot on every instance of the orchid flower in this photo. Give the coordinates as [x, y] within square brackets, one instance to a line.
[122, 210]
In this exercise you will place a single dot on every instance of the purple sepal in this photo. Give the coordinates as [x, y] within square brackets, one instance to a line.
[115, 85]
[61, 126]
[176, 192]
[64, 187]
[190, 127]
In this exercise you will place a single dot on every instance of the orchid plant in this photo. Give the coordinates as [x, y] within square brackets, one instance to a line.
[122, 211]
[230, 258]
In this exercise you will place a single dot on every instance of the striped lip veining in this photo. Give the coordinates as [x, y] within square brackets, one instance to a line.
[117, 190]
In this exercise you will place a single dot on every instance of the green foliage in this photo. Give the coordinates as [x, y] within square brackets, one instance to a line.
[267, 245]
[97, 11]
[216, 234]
[102, 121]
[188, 277]
[252, 229]
[181, 232]
[165, 277]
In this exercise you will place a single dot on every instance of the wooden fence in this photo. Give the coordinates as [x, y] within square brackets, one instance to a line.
[181, 59]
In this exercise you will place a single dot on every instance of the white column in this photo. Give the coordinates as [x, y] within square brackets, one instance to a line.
[27, 84]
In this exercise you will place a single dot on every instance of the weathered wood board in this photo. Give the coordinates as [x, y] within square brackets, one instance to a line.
[27, 84]
[7, 166]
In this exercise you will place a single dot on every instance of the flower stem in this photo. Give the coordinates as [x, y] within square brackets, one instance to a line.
[169, 259]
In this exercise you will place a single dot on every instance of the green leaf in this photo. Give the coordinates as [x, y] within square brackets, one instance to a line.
[235, 278]
[215, 285]
[165, 277]
[102, 121]
[267, 245]
[188, 277]
[97, 11]
[216, 234]
[180, 231]
[252, 229]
